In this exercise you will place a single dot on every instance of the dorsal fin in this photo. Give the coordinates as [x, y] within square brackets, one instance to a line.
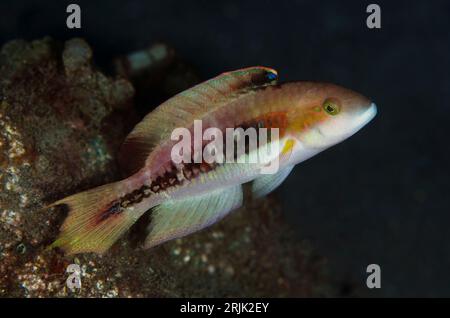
[183, 108]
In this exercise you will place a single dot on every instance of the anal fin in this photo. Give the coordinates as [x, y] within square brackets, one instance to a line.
[177, 218]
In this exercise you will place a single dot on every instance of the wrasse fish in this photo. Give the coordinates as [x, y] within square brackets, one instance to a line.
[186, 197]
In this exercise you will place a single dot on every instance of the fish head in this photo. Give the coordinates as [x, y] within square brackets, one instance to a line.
[326, 114]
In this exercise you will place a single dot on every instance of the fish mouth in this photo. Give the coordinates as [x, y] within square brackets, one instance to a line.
[367, 116]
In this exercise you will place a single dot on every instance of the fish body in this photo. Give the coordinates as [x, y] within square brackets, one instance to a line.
[304, 118]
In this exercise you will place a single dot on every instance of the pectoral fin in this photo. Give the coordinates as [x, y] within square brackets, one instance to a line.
[265, 184]
[177, 218]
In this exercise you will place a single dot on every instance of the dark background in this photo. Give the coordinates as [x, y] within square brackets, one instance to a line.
[380, 197]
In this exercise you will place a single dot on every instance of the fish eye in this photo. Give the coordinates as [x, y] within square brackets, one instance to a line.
[331, 107]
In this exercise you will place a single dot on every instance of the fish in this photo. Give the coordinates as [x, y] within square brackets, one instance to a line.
[184, 197]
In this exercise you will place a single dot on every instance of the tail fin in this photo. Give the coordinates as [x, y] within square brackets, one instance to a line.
[95, 220]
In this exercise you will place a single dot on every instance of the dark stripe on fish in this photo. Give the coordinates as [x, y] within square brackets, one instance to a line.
[176, 176]
[170, 179]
